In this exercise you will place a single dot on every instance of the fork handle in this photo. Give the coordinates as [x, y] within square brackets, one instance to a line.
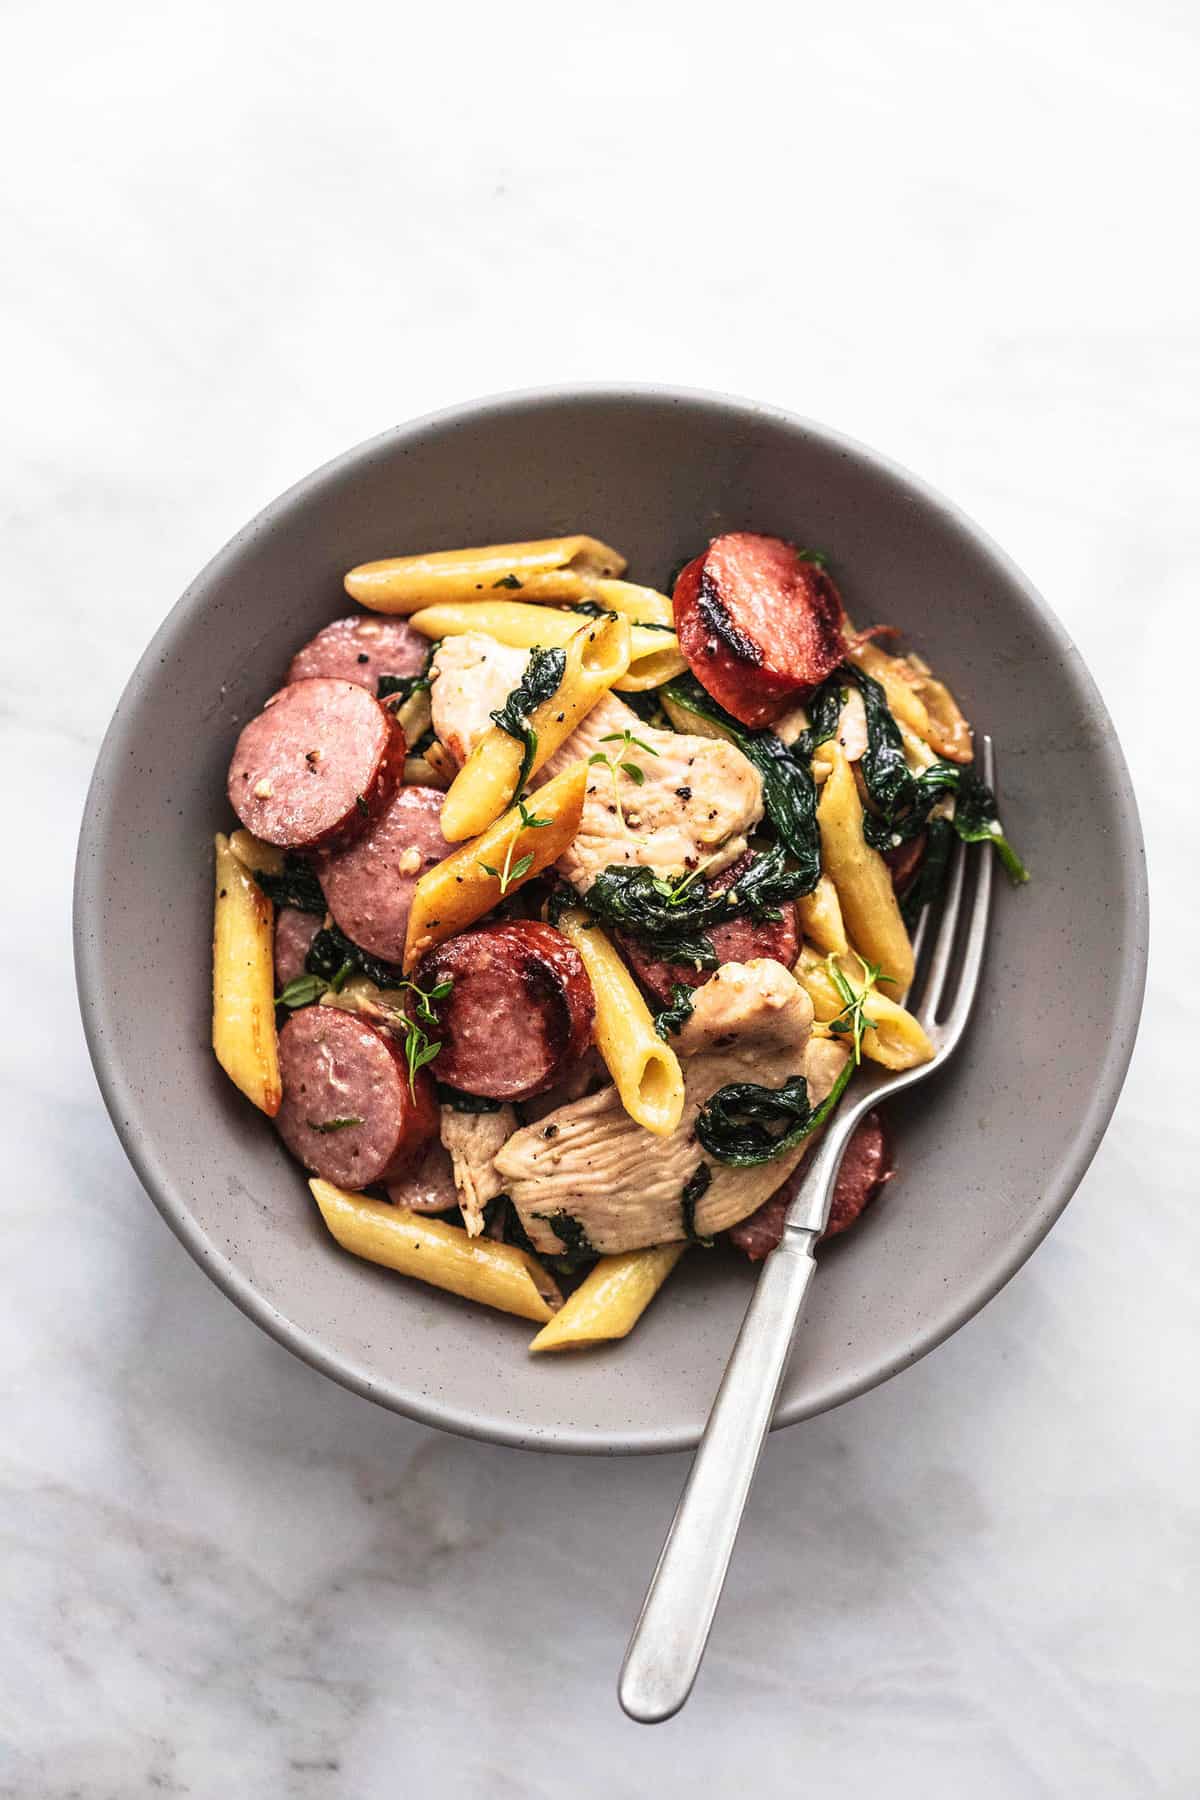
[672, 1629]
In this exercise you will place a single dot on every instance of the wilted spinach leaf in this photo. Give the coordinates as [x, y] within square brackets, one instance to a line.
[542, 678]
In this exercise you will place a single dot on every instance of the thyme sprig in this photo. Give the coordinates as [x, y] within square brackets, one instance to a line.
[621, 759]
[853, 1020]
[512, 872]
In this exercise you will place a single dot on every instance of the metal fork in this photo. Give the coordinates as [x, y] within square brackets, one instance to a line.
[672, 1630]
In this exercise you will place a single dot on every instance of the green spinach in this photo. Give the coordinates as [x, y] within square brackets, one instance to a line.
[694, 1190]
[673, 1017]
[789, 792]
[745, 1124]
[542, 679]
[297, 886]
[577, 1246]
[926, 885]
[403, 687]
[673, 921]
[331, 951]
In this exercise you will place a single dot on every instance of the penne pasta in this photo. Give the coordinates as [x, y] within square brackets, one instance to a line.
[610, 1300]
[419, 771]
[663, 663]
[860, 875]
[641, 605]
[904, 702]
[596, 654]
[547, 569]
[254, 854]
[511, 622]
[462, 888]
[820, 918]
[415, 716]
[442, 1255]
[949, 732]
[521, 626]
[647, 1073]
[917, 753]
[895, 1040]
[243, 1020]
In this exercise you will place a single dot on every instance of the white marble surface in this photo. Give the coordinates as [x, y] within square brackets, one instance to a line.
[240, 238]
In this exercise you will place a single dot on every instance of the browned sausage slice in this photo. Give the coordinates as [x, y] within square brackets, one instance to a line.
[904, 860]
[760, 625]
[320, 761]
[361, 649]
[520, 1010]
[348, 1112]
[866, 1165]
[740, 940]
[294, 933]
[427, 1187]
[369, 885]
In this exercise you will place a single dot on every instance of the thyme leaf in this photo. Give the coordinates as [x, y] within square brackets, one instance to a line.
[853, 1021]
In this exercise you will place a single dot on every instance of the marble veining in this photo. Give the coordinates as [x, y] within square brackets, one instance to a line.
[240, 240]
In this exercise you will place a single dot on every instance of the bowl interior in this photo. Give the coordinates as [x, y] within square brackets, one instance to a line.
[989, 1153]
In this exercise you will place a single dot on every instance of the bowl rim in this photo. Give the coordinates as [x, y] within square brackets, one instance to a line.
[124, 1108]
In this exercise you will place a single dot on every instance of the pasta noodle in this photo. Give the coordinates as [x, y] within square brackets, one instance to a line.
[904, 702]
[641, 605]
[508, 1070]
[254, 854]
[415, 716]
[895, 1040]
[243, 1019]
[659, 660]
[610, 1300]
[820, 918]
[521, 626]
[548, 569]
[442, 1255]
[460, 889]
[597, 652]
[647, 1073]
[860, 875]
[948, 731]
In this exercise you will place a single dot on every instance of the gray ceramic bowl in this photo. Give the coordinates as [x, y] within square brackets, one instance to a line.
[989, 1153]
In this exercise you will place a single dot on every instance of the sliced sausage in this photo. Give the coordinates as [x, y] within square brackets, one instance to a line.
[348, 1111]
[759, 625]
[369, 885]
[904, 860]
[361, 649]
[294, 933]
[519, 1013]
[738, 941]
[866, 1166]
[320, 761]
[428, 1187]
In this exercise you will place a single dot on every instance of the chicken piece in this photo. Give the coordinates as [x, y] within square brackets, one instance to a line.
[625, 1188]
[749, 1011]
[472, 676]
[697, 804]
[473, 1140]
[851, 726]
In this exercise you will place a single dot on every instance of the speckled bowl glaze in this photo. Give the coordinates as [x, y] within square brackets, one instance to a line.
[989, 1153]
